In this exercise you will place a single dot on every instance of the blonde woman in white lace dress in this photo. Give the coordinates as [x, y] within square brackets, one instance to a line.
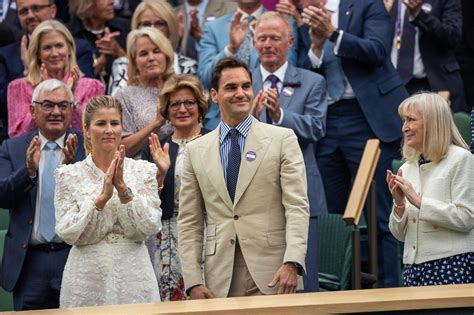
[106, 206]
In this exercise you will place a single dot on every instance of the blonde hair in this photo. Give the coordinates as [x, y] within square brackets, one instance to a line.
[163, 10]
[156, 38]
[272, 15]
[81, 8]
[439, 130]
[34, 63]
[184, 81]
[96, 103]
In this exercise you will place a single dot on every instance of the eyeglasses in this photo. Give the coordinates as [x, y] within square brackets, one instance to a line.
[188, 104]
[34, 9]
[49, 106]
[159, 24]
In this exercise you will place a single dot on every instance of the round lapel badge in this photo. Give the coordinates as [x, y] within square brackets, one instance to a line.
[426, 7]
[250, 156]
[288, 91]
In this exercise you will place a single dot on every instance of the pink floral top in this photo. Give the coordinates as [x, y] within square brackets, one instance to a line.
[19, 97]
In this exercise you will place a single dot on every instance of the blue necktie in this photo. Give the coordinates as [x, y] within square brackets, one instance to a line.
[233, 163]
[333, 72]
[47, 220]
[273, 81]
[245, 49]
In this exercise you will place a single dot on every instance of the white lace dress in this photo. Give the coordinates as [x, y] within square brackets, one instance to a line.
[108, 263]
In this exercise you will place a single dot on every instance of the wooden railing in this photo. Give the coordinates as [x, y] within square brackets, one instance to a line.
[362, 188]
[353, 301]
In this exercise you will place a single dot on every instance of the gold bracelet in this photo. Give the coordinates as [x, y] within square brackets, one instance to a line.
[95, 207]
[398, 206]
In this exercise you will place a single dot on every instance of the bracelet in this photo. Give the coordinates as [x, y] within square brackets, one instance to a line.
[95, 207]
[398, 206]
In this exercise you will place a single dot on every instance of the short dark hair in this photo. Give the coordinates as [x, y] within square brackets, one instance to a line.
[226, 63]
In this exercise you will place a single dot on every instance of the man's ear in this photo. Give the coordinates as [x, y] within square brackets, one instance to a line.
[53, 9]
[33, 111]
[214, 95]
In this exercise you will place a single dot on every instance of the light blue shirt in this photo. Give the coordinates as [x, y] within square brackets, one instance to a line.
[201, 8]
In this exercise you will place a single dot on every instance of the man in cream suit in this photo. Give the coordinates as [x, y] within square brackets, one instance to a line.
[245, 185]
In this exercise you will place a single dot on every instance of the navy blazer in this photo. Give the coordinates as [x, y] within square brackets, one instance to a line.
[364, 53]
[11, 67]
[167, 194]
[440, 33]
[18, 194]
[304, 111]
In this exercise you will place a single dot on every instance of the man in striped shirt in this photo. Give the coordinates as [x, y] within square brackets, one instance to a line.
[245, 185]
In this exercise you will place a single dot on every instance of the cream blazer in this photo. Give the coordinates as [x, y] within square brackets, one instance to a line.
[270, 214]
[443, 226]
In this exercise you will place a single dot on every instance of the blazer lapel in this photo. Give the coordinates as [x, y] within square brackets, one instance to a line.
[258, 143]
[34, 189]
[290, 83]
[257, 87]
[210, 157]
[345, 13]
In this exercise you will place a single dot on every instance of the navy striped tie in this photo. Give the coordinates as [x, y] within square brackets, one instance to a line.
[233, 163]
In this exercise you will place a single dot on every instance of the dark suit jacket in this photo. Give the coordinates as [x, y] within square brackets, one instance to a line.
[167, 194]
[440, 33]
[11, 19]
[365, 58]
[11, 67]
[18, 193]
[115, 25]
[7, 35]
[305, 112]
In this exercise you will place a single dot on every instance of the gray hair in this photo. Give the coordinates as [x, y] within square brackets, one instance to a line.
[49, 86]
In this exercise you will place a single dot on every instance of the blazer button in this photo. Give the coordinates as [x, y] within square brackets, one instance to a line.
[414, 220]
[24, 245]
[236, 217]
[414, 246]
[232, 242]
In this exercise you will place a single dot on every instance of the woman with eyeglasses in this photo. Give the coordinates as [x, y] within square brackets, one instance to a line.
[161, 16]
[184, 104]
[51, 55]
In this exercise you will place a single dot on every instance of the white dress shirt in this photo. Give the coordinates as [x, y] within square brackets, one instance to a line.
[333, 7]
[418, 66]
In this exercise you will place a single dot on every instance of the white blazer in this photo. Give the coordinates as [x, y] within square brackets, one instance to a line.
[443, 226]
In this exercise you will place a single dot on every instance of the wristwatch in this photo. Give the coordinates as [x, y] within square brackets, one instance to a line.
[334, 35]
[127, 194]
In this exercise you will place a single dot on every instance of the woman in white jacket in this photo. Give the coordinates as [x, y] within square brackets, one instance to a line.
[106, 206]
[433, 196]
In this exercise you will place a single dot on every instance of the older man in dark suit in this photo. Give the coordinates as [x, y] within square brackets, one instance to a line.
[34, 257]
